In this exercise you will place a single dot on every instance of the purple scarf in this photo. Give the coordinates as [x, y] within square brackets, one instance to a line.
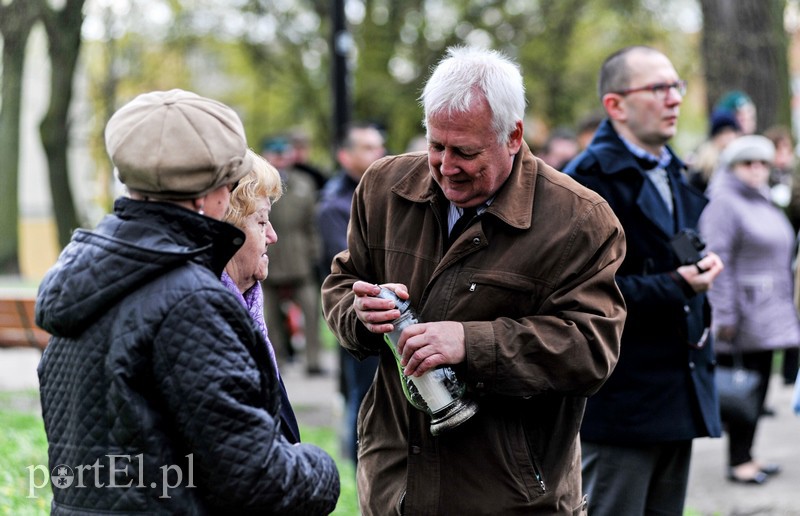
[253, 300]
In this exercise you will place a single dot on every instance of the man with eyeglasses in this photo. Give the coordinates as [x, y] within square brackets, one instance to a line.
[637, 431]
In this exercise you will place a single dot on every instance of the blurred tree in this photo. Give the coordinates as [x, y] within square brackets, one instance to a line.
[16, 20]
[270, 59]
[548, 54]
[557, 44]
[565, 43]
[391, 53]
[745, 47]
[64, 39]
[282, 69]
[291, 63]
[103, 62]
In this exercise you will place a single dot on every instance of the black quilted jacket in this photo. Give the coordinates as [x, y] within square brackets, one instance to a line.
[157, 392]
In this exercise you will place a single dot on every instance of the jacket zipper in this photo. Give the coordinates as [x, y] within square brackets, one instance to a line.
[536, 471]
[538, 475]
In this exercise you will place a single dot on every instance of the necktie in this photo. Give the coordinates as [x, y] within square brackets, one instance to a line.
[659, 178]
[462, 223]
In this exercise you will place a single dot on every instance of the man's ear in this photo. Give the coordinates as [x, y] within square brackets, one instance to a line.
[614, 106]
[515, 138]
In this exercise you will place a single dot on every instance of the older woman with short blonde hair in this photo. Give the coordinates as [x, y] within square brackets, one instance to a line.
[249, 209]
[263, 181]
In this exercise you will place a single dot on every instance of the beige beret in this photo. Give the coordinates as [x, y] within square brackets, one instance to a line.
[176, 145]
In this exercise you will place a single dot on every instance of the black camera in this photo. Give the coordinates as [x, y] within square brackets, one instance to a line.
[688, 246]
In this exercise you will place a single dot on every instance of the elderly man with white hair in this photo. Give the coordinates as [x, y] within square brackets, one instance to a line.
[519, 297]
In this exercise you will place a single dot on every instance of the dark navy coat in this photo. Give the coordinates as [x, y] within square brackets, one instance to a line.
[663, 386]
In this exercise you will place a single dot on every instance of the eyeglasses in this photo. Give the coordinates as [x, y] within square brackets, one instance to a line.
[232, 186]
[659, 90]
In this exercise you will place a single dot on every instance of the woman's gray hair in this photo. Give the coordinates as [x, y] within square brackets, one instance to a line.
[467, 73]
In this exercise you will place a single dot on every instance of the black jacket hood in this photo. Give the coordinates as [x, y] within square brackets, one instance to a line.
[138, 242]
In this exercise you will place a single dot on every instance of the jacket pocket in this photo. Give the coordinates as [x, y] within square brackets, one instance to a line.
[523, 457]
[513, 295]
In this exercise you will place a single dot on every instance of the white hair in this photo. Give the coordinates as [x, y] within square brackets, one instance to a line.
[465, 74]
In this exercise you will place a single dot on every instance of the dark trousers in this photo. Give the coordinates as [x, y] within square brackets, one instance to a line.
[633, 480]
[791, 361]
[741, 435]
[357, 377]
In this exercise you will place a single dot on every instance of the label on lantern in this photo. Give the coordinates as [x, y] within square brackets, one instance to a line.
[433, 390]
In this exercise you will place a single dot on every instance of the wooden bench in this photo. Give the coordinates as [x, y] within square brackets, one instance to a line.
[17, 321]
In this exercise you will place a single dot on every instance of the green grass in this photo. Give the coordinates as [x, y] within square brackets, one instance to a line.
[23, 446]
[327, 439]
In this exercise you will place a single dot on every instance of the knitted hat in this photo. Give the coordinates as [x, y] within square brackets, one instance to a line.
[176, 145]
[748, 148]
[721, 120]
[276, 145]
[733, 100]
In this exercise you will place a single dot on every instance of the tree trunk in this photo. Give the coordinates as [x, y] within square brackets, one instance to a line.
[16, 21]
[745, 47]
[64, 35]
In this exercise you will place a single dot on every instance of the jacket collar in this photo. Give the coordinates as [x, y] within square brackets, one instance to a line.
[173, 229]
[606, 147]
[512, 202]
[613, 157]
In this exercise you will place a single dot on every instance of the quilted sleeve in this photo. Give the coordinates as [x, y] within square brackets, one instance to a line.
[215, 391]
